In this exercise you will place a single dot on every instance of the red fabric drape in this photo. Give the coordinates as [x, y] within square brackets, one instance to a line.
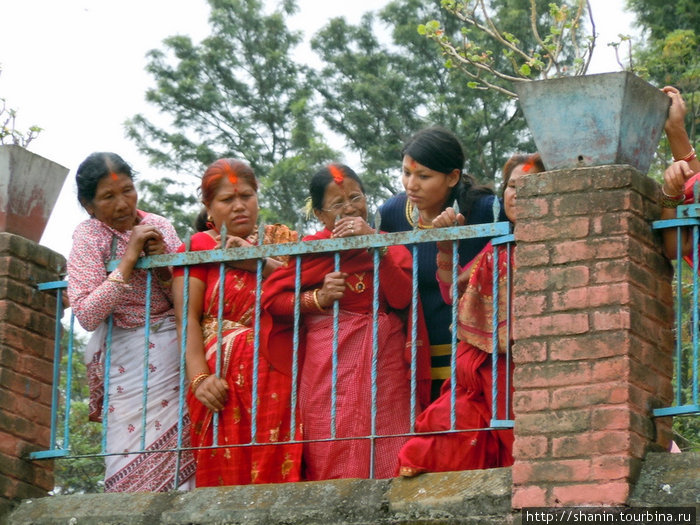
[474, 449]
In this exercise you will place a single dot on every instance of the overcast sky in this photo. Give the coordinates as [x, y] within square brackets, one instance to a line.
[76, 69]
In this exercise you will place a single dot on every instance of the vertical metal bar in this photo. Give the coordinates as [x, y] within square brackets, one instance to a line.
[494, 339]
[183, 362]
[256, 340]
[56, 367]
[334, 364]
[679, 318]
[696, 268]
[453, 349]
[509, 276]
[295, 348]
[414, 333]
[375, 356]
[69, 382]
[107, 365]
[146, 355]
[219, 330]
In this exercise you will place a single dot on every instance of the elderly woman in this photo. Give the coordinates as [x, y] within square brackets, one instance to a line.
[472, 386]
[338, 201]
[433, 177]
[229, 193]
[118, 229]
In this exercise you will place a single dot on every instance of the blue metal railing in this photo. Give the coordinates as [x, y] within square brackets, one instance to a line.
[686, 400]
[499, 232]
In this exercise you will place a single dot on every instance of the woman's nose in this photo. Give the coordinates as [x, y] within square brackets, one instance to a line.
[121, 203]
[411, 182]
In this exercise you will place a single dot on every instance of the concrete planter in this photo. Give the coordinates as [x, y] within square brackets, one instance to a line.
[594, 120]
[29, 187]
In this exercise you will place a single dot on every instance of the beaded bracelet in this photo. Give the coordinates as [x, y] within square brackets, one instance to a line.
[198, 380]
[667, 202]
[444, 265]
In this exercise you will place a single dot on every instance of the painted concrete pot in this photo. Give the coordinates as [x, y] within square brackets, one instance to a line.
[594, 120]
[29, 187]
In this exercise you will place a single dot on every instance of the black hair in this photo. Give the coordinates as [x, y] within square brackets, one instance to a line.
[201, 221]
[94, 168]
[323, 177]
[439, 149]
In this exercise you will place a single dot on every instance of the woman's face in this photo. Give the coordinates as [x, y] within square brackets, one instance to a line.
[342, 200]
[236, 205]
[427, 189]
[115, 202]
[509, 193]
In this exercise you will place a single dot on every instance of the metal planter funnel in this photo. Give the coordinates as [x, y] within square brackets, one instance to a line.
[594, 120]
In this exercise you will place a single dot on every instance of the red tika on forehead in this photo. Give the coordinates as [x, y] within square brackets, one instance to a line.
[232, 178]
[337, 173]
[113, 175]
[527, 167]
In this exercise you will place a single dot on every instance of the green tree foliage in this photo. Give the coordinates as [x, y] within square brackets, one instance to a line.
[661, 17]
[82, 472]
[238, 94]
[670, 55]
[378, 90]
[172, 199]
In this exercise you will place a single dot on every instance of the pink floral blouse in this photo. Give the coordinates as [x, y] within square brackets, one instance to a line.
[93, 297]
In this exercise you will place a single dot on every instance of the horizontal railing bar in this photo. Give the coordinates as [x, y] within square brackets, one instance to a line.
[502, 423]
[52, 285]
[675, 223]
[677, 411]
[504, 239]
[324, 245]
[50, 454]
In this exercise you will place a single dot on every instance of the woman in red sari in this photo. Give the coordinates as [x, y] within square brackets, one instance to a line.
[338, 201]
[229, 192]
[474, 449]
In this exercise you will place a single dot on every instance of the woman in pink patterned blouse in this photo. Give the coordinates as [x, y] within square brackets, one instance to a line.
[118, 229]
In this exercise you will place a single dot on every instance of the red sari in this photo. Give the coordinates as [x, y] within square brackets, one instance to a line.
[475, 449]
[350, 458]
[247, 464]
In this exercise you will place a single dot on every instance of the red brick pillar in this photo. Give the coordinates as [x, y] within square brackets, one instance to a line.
[593, 336]
[26, 365]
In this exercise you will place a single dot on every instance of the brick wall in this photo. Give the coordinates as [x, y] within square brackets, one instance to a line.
[593, 336]
[26, 364]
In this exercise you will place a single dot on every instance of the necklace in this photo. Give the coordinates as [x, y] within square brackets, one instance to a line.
[410, 213]
[359, 286]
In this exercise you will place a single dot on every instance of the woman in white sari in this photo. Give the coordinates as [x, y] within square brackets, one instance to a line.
[106, 191]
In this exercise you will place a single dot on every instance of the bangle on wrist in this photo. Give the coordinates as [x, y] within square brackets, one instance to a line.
[690, 156]
[198, 380]
[318, 304]
[678, 197]
[117, 277]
